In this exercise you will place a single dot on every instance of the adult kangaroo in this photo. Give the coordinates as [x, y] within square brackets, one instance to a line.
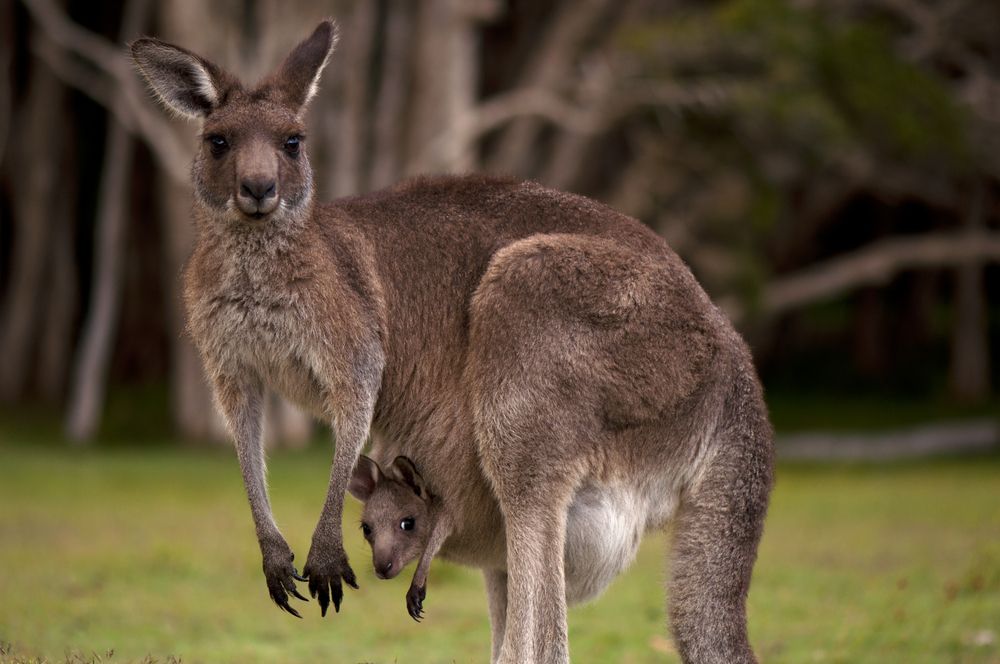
[553, 345]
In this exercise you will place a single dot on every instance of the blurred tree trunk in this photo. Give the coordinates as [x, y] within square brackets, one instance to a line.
[6, 89]
[100, 329]
[354, 63]
[445, 83]
[549, 67]
[59, 329]
[915, 326]
[389, 128]
[35, 149]
[869, 333]
[285, 424]
[970, 351]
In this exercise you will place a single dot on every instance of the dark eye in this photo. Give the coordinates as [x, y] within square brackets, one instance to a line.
[218, 144]
[292, 144]
[366, 529]
[406, 524]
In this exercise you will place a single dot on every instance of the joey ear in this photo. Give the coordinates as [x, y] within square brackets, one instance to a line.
[364, 479]
[297, 80]
[403, 470]
[184, 82]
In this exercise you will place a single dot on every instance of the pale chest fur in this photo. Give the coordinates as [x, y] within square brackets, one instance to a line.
[253, 313]
[604, 528]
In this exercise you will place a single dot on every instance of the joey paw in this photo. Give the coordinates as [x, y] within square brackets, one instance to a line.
[415, 601]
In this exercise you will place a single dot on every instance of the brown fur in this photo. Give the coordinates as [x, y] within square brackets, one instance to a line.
[535, 353]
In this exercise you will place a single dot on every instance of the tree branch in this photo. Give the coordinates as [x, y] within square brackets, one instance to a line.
[129, 106]
[543, 103]
[873, 265]
[547, 66]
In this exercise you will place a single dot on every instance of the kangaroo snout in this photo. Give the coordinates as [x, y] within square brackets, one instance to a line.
[386, 569]
[258, 196]
[258, 188]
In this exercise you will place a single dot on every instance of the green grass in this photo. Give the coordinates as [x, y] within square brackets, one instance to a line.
[150, 553]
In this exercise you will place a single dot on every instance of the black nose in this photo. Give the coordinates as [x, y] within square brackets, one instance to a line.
[384, 569]
[258, 188]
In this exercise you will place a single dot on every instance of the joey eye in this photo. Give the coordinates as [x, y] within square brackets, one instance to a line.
[407, 523]
[366, 530]
[218, 144]
[292, 144]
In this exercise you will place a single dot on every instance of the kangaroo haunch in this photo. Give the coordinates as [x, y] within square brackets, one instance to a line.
[549, 364]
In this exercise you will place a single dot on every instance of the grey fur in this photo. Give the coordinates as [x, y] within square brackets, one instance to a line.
[543, 360]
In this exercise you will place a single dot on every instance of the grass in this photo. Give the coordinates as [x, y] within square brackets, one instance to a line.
[148, 555]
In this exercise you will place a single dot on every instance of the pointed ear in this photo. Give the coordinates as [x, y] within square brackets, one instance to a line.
[184, 82]
[364, 479]
[297, 80]
[403, 470]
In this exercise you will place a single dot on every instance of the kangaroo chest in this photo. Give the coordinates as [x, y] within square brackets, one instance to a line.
[243, 325]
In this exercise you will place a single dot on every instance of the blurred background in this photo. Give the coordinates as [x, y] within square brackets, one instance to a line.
[830, 170]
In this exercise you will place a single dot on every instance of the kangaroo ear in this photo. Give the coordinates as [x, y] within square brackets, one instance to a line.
[297, 80]
[403, 470]
[184, 82]
[364, 479]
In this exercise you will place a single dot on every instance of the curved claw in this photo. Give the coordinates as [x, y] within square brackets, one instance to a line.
[297, 576]
[415, 602]
[281, 599]
[337, 594]
[290, 609]
[280, 588]
[349, 579]
[321, 592]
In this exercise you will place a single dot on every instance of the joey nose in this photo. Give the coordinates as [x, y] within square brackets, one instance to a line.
[258, 188]
[384, 570]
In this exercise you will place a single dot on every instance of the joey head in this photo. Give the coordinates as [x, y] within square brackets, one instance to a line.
[401, 521]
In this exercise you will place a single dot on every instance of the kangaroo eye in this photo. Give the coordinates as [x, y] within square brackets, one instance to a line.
[217, 143]
[407, 523]
[366, 529]
[292, 144]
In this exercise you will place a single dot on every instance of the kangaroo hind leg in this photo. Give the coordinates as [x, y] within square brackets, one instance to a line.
[716, 532]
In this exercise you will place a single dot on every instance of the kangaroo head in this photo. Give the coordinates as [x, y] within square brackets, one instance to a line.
[251, 166]
[395, 519]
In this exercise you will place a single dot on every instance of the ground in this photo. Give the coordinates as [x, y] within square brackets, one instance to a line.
[126, 554]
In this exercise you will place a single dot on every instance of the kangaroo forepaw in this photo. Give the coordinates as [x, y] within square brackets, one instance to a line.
[281, 576]
[325, 571]
[415, 602]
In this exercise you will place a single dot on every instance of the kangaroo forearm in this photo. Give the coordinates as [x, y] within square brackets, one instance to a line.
[442, 529]
[251, 457]
[260, 505]
[241, 403]
[350, 439]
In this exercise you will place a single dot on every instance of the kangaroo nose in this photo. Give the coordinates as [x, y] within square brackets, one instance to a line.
[384, 570]
[258, 188]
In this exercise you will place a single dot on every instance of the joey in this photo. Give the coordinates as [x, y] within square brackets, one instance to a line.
[401, 520]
